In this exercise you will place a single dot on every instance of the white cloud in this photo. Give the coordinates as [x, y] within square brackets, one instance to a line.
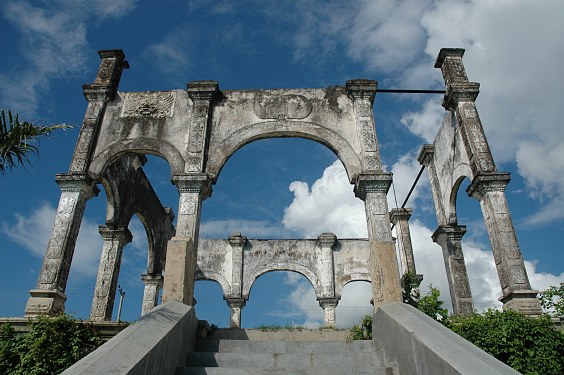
[310, 213]
[405, 171]
[88, 245]
[53, 44]
[426, 122]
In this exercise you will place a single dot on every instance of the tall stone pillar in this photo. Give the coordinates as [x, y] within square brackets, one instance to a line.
[115, 238]
[488, 185]
[236, 304]
[153, 283]
[326, 242]
[400, 218]
[449, 238]
[372, 189]
[489, 189]
[329, 304]
[181, 255]
[49, 296]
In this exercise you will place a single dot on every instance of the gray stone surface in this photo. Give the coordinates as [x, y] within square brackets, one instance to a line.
[421, 346]
[155, 344]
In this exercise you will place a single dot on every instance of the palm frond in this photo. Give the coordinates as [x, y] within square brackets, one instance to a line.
[18, 140]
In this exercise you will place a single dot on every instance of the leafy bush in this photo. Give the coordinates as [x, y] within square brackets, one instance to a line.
[363, 331]
[52, 345]
[431, 305]
[529, 345]
[552, 299]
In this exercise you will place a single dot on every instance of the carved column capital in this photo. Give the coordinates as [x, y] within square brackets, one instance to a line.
[325, 302]
[490, 182]
[460, 92]
[117, 232]
[362, 89]
[452, 232]
[236, 302]
[77, 183]
[237, 240]
[449, 61]
[400, 214]
[193, 183]
[326, 240]
[426, 155]
[109, 74]
[153, 279]
[372, 183]
[203, 90]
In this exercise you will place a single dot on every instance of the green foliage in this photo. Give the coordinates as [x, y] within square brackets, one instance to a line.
[431, 305]
[363, 331]
[52, 345]
[529, 345]
[552, 299]
[410, 288]
[17, 140]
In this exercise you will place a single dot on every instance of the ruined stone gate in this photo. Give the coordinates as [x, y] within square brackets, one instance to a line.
[196, 130]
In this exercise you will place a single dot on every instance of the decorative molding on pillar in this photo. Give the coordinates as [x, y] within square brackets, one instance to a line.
[115, 232]
[426, 155]
[460, 92]
[203, 90]
[453, 232]
[523, 301]
[77, 183]
[109, 74]
[372, 183]
[488, 182]
[400, 214]
[362, 89]
[236, 239]
[239, 302]
[326, 240]
[328, 301]
[193, 183]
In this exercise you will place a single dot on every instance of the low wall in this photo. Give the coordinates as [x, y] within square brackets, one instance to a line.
[419, 345]
[155, 344]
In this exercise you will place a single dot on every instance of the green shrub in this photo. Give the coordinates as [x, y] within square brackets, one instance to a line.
[552, 299]
[529, 345]
[52, 345]
[431, 305]
[362, 331]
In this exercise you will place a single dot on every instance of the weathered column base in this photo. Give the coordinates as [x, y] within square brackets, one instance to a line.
[235, 307]
[180, 270]
[523, 301]
[153, 283]
[328, 304]
[386, 287]
[45, 302]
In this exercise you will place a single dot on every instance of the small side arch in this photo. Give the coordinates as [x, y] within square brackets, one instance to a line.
[451, 215]
[287, 129]
[302, 270]
[138, 146]
[214, 276]
[339, 286]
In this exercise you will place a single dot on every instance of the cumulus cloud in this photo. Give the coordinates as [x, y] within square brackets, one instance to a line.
[310, 213]
[88, 245]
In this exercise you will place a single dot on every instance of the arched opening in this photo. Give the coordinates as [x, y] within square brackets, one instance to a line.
[282, 299]
[354, 303]
[210, 304]
[480, 265]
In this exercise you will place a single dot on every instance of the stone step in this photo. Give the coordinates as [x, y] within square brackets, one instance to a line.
[285, 360]
[285, 371]
[292, 334]
[254, 346]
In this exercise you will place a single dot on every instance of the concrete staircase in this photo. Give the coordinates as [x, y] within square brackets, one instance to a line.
[239, 351]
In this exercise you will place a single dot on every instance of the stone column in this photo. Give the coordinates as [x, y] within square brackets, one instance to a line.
[115, 238]
[489, 189]
[98, 94]
[235, 307]
[181, 255]
[329, 304]
[449, 238]
[237, 243]
[372, 189]
[49, 296]
[400, 218]
[326, 241]
[153, 283]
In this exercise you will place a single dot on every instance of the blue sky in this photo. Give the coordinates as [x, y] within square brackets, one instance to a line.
[288, 188]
